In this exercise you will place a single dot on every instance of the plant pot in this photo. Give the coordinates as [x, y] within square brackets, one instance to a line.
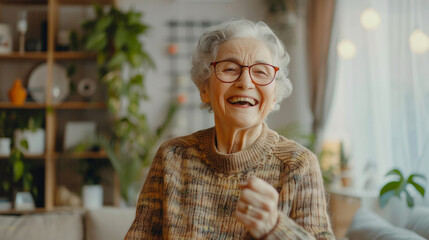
[35, 139]
[4, 147]
[24, 201]
[346, 177]
[92, 196]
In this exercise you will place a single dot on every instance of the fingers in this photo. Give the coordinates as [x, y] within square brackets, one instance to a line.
[261, 196]
[260, 186]
[257, 200]
[251, 211]
[257, 206]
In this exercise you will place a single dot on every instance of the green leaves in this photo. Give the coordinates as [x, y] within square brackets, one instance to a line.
[396, 188]
[114, 36]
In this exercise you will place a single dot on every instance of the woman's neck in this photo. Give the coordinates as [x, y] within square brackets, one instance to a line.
[231, 139]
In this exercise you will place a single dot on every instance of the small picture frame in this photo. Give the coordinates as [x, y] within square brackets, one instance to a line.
[78, 132]
[5, 39]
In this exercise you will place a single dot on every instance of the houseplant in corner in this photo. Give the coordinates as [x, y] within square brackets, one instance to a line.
[399, 187]
[114, 36]
[391, 198]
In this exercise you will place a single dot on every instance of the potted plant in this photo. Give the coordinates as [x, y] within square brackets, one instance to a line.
[92, 190]
[114, 36]
[5, 135]
[345, 167]
[31, 130]
[400, 186]
[19, 180]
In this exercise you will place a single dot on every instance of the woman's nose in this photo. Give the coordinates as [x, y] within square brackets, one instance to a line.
[245, 81]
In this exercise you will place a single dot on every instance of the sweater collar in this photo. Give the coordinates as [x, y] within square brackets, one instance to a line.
[241, 161]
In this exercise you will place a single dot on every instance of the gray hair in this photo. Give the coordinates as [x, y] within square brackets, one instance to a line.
[209, 42]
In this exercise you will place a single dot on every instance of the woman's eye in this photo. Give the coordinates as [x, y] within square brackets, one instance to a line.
[260, 73]
[229, 70]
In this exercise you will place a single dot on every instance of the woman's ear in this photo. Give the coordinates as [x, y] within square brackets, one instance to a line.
[204, 93]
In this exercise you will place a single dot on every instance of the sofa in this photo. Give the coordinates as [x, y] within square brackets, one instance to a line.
[106, 223]
[368, 225]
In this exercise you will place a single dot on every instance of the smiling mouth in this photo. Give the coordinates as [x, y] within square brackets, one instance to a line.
[243, 101]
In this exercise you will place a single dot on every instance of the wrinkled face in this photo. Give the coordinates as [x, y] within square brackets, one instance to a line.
[242, 103]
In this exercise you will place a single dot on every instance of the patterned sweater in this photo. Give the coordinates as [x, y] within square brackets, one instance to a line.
[192, 190]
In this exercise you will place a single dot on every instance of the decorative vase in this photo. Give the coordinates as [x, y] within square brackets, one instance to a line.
[4, 147]
[17, 93]
[35, 139]
[92, 196]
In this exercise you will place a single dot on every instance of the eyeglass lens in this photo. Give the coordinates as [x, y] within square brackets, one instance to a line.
[230, 71]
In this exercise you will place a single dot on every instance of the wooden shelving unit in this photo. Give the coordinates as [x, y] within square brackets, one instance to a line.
[44, 56]
[52, 110]
[63, 105]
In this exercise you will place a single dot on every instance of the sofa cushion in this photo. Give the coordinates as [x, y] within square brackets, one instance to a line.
[367, 225]
[108, 223]
[48, 226]
[419, 221]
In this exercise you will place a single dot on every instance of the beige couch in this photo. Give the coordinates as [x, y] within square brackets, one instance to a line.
[102, 224]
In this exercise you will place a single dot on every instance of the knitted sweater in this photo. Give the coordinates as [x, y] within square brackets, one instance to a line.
[192, 190]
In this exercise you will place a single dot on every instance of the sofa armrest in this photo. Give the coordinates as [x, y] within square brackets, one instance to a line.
[370, 226]
[419, 221]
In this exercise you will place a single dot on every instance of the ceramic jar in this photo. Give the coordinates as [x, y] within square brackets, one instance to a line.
[35, 139]
[17, 93]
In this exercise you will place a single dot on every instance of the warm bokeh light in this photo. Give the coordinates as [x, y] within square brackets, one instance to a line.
[346, 49]
[370, 19]
[419, 42]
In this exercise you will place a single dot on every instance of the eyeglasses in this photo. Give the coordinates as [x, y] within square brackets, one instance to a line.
[228, 71]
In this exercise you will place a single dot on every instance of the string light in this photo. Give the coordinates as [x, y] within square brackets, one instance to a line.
[370, 19]
[419, 42]
[346, 49]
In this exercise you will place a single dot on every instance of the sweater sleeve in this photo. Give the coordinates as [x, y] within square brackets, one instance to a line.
[308, 218]
[149, 212]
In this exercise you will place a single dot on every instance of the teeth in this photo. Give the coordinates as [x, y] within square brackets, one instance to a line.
[251, 101]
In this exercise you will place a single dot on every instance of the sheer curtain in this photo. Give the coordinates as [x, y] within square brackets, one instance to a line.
[381, 99]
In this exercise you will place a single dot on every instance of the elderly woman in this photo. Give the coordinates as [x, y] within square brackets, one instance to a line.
[238, 179]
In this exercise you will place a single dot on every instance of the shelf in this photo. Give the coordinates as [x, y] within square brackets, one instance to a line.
[86, 2]
[84, 155]
[92, 155]
[66, 2]
[69, 55]
[80, 105]
[27, 2]
[29, 105]
[26, 55]
[42, 156]
[73, 55]
[64, 105]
